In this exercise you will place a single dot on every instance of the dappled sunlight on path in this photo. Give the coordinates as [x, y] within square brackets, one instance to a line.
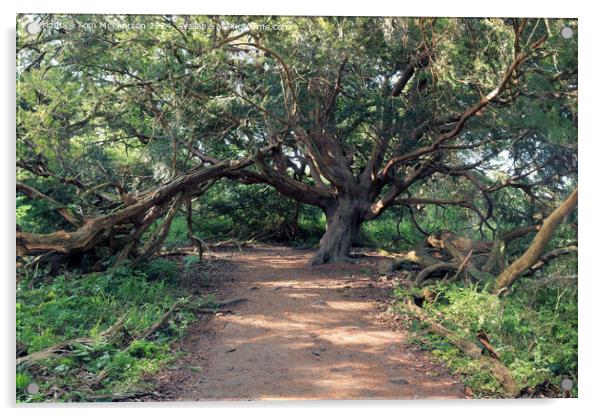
[304, 333]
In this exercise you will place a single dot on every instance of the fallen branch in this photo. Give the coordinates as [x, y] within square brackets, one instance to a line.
[462, 250]
[229, 302]
[427, 271]
[212, 310]
[182, 251]
[182, 303]
[496, 368]
[484, 340]
[232, 243]
[117, 397]
[462, 266]
[418, 256]
[67, 345]
[157, 325]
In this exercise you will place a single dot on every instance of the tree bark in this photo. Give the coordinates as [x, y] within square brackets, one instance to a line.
[198, 243]
[343, 222]
[535, 250]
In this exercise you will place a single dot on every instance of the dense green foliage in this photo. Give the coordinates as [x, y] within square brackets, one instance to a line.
[72, 305]
[534, 331]
[132, 106]
[250, 212]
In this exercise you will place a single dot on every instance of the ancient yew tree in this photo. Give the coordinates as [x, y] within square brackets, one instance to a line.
[122, 120]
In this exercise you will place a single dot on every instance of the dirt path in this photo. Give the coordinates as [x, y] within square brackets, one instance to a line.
[304, 333]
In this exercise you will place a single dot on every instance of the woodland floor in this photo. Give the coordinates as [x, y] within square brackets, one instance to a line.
[303, 333]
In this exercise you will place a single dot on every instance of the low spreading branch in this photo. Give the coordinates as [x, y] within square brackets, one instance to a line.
[135, 215]
[538, 245]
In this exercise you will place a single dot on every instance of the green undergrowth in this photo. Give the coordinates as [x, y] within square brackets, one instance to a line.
[54, 309]
[534, 331]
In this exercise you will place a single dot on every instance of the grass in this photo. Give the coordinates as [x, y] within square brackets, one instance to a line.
[51, 310]
[534, 331]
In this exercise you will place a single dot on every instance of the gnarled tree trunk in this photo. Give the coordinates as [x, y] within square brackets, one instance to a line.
[343, 221]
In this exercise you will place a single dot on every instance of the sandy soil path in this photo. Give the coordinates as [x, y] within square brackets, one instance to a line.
[304, 333]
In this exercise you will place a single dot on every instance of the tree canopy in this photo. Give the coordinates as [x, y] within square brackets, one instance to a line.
[352, 115]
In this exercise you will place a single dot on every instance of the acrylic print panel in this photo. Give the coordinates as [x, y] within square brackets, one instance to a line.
[276, 207]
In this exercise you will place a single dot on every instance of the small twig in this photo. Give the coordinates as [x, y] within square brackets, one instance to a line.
[157, 325]
[462, 267]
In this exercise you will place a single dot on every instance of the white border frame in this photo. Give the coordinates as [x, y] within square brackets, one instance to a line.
[590, 284]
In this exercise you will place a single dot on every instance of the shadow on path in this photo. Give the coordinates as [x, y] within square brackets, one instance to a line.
[304, 333]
